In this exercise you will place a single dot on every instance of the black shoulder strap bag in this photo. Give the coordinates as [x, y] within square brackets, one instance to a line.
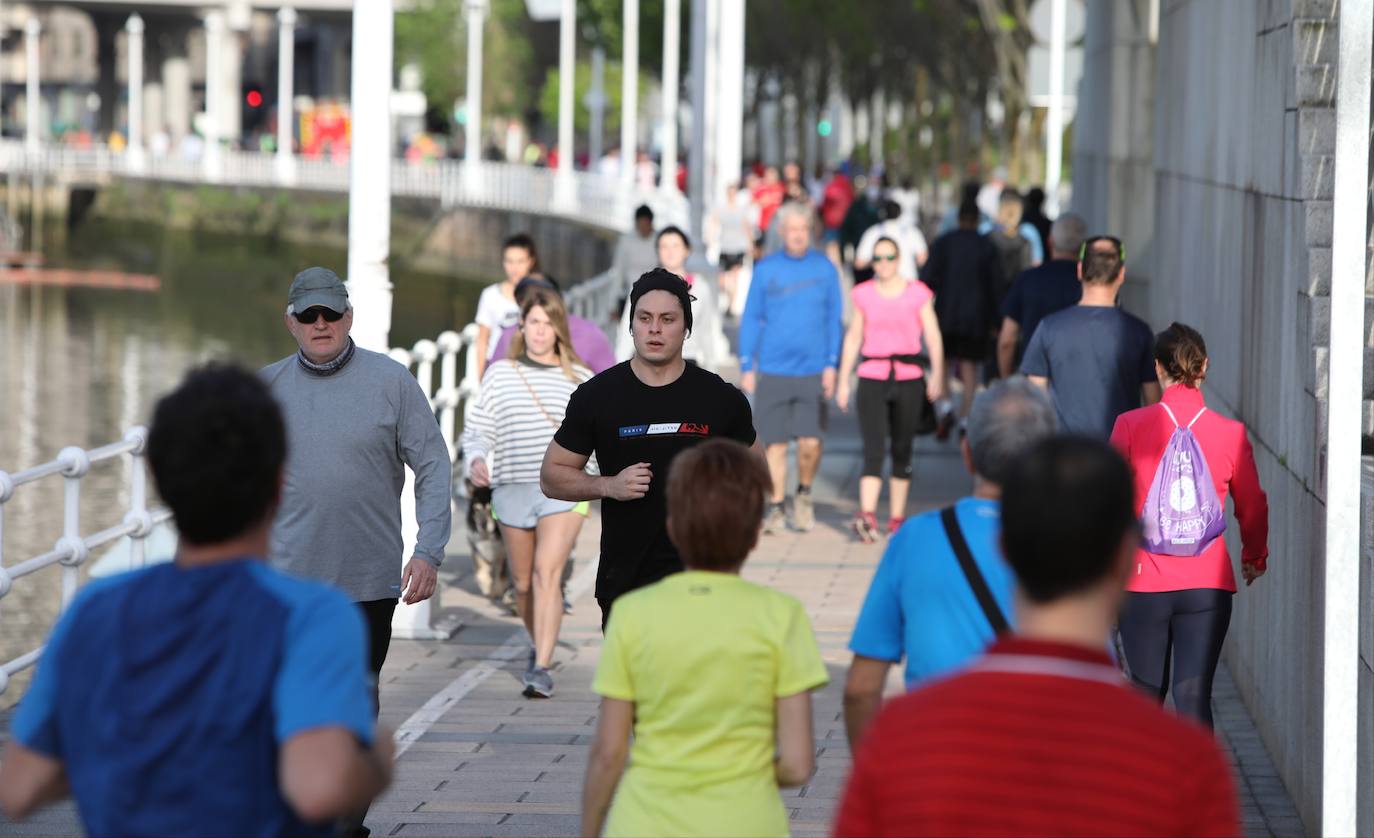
[971, 572]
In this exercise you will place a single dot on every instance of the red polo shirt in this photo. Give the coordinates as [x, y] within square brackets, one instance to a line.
[1036, 739]
[1141, 436]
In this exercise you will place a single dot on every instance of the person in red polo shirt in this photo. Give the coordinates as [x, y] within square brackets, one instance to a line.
[1179, 606]
[1042, 735]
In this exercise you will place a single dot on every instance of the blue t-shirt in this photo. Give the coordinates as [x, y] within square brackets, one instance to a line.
[1040, 292]
[1096, 358]
[793, 318]
[920, 605]
[167, 693]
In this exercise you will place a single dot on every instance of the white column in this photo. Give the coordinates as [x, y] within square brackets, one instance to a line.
[730, 99]
[214, 106]
[369, 192]
[672, 82]
[877, 130]
[567, 63]
[33, 112]
[1341, 660]
[629, 96]
[134, 152]
[286, 94]
[1054, 123]
[472, 150]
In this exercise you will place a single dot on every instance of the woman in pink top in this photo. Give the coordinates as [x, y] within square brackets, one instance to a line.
[1179, 607]
[892, 315]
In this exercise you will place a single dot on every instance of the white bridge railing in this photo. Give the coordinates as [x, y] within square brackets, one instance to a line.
[580, 196]
[590, 299]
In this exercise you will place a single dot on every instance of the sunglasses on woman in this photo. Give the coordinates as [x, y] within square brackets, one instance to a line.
[885, 257]
[310, 315]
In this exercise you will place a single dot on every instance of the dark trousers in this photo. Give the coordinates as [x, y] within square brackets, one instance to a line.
[890, 411]
[1178, 630]
[377, 615]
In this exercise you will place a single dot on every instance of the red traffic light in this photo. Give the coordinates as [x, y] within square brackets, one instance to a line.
[254, 99]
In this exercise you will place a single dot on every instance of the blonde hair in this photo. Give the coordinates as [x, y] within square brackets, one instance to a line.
[552, 304]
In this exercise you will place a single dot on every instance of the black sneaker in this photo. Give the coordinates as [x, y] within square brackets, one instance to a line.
[945, 425]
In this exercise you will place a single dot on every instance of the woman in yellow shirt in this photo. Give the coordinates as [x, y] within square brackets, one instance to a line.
[711, 673]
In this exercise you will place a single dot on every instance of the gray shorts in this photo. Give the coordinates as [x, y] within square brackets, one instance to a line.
[788, 407]
[521, 505]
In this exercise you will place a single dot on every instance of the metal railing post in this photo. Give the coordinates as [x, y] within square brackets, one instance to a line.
[75, 465]
[138, 500]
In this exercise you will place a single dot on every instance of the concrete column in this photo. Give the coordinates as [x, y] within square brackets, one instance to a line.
[33, 114]
[214, 90]
[567, 63]
[672, 44]
[369, 194]
[1054, 122]
[629, 96]
[877, 122]
[596, 105]
[472, 131]
[1349, 254]
[709, 112]
[176, 89]
[231, 86]
[730, 101]
[696, 154]
[154, 105]
[134, 28]
[286, 94]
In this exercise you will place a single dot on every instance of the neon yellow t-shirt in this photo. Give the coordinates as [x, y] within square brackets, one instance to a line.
[704, 657]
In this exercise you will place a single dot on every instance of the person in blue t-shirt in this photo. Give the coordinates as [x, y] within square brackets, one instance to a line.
[1041, 291]
[1096, 361]
[921, 606]
[789, 349]
[212, 695]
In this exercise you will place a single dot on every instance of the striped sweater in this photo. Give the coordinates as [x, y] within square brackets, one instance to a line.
[506, 426]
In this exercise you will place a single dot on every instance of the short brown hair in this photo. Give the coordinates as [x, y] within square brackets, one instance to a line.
[1182, 352]
[716, 494]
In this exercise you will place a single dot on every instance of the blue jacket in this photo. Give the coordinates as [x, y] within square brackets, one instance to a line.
[792, 323]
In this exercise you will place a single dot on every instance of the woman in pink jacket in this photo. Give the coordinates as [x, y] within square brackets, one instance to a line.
[1178, 606]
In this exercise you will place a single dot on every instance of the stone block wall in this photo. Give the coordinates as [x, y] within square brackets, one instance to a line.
[1238, 175]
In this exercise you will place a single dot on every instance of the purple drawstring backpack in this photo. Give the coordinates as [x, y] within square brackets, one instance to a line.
[1182, 513]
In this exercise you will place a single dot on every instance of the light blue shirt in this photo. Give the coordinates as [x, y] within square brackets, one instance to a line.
[920, 606]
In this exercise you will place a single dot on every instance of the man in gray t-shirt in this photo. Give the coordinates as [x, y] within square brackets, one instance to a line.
[354, 420]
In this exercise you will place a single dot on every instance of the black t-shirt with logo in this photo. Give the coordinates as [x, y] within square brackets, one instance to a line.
[625, 421]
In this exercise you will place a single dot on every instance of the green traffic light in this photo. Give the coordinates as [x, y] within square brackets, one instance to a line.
[823, 128]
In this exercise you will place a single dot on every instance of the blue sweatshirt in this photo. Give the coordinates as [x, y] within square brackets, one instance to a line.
[792, 322]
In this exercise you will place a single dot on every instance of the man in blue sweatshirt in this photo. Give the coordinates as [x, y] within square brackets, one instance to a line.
[789, 348]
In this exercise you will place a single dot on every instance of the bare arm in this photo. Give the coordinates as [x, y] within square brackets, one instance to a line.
[1040, 381]
[325, 774]
[849, 357]
[1006, 346]
[606, 762]
[480, 347]
[935, 351]
[863, 695]
[796, 740]
[29, 780]
[1150, 393]
[562, 477]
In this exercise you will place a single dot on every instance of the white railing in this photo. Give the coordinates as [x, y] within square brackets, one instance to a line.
[579, 196]
[591, 299]
[72, 549]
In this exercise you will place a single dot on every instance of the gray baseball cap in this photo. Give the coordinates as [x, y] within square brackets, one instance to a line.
[317, 287]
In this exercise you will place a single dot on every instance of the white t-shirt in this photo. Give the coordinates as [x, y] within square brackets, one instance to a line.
[911, 245]
[496, 311]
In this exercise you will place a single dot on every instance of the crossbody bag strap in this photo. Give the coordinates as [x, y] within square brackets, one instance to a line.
[991, 609]
[534, 395]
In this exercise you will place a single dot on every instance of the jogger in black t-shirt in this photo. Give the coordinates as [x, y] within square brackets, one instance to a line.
[635, 417]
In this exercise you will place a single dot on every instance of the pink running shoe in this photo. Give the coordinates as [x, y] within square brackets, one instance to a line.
[866, 527]
[894, 524]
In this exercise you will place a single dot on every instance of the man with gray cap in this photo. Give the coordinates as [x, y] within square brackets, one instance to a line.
[942, 590]
[354, 420]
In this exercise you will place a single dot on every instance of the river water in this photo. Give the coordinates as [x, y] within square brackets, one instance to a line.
[79, 366]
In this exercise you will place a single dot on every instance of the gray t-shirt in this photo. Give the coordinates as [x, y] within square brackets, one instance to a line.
[349, 437]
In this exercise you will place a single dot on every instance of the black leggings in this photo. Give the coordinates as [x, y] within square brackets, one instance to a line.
[1193, 625]
[889, 410]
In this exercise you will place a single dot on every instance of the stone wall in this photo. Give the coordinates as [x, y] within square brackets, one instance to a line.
[1237, 178]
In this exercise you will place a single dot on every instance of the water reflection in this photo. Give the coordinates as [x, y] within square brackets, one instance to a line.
[78, 366]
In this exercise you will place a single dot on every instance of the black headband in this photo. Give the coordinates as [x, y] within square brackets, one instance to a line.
[662, 279]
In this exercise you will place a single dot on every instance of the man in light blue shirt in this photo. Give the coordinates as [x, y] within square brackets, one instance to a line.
[789, 349]
[922, 605]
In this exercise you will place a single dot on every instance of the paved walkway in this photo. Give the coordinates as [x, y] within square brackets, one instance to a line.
[480, 760]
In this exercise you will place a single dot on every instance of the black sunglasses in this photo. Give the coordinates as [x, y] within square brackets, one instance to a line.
[890, 257]
[310, 315]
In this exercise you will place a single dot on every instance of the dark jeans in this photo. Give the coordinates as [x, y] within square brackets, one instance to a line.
[377, 614]
[1182, 630]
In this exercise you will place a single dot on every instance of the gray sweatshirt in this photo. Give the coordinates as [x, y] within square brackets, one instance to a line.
[349, 437]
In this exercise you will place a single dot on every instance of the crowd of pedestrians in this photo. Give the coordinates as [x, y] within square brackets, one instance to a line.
[1087, 558]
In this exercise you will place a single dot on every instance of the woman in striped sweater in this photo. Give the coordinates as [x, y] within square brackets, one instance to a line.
[521, 404]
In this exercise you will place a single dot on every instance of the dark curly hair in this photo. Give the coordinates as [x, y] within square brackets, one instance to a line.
[216, 449]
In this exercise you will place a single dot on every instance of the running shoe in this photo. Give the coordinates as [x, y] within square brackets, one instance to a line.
[894, 524]
[866, 527]
[538, 683]
[945, 425]
[803, 512]
[775, 521]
